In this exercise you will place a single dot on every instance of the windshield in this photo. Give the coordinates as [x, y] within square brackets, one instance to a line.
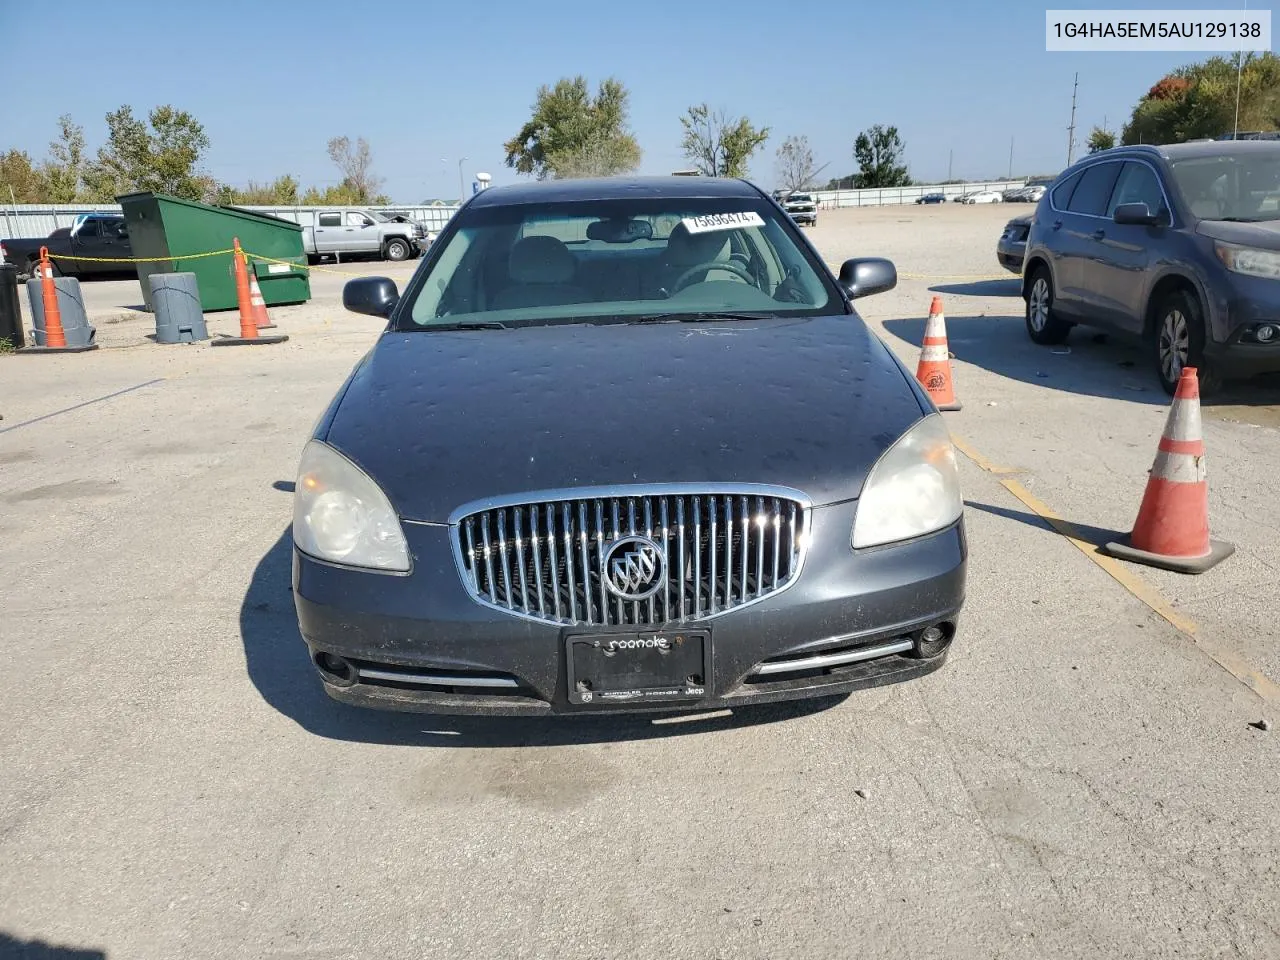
[616, 260]
[1242, 186]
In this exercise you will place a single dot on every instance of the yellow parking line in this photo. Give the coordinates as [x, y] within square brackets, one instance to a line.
[1227, 659]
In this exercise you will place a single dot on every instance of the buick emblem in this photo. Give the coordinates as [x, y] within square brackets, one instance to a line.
[633, 568]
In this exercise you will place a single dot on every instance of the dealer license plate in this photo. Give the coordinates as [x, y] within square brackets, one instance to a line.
[630, 668]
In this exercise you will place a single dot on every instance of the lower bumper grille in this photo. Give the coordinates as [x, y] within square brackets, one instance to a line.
[641, 558]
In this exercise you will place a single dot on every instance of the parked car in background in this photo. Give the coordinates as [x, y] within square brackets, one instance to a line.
[1011, 248]
[802, 207]
[982, 196]
[1025, 194]
[467, 540]
[102, 236]
[354, 231]
[1178, 245]
[932, 198]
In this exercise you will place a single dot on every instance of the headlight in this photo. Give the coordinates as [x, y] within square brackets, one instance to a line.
[341, 515]
[913, 489]
[1248, 260]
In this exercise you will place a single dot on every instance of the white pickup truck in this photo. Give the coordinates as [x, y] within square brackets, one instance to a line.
[351, 232]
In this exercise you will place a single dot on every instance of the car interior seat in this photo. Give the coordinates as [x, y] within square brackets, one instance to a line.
[685, 250]
[541, 271]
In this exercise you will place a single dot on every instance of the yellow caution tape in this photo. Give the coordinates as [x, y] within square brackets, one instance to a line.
[181, 256]
[301, 266]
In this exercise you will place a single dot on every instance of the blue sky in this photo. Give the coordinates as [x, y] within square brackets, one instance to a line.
[427, 83]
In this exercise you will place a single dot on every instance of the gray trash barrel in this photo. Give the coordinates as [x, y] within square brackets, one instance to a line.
[75, 321]
[175, 298]
[10, 311]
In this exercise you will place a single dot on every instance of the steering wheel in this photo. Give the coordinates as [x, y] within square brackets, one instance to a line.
[728, 265]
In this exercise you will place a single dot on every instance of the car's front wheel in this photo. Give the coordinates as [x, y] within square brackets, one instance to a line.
[397, 249]
[1179, 342]
[1042, 325]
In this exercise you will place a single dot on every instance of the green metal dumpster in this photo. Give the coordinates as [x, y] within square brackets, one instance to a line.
[165, 226]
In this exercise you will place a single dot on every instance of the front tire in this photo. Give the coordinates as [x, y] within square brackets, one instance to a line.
[1043, 326]
[397, 249]
[1179, 339]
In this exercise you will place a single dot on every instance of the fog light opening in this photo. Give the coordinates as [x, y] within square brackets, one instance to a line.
[932, 641]
[336, 670]
[1267, 333]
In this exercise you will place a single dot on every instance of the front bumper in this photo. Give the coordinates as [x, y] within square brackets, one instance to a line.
[1242, 303]
[1011, 255]
[804, 216]
[420, 643]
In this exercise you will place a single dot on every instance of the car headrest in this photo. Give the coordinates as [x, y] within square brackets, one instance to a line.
[540, 260]
[687, 249]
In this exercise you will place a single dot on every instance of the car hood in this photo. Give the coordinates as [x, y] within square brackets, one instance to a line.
[442, 419]
[1265, 235]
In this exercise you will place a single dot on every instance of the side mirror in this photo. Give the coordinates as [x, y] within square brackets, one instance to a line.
[867, 275]
[1135, 213]
[375, 296]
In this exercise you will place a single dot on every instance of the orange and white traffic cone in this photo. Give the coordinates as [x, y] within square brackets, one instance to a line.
[261, 319]
[244, 300]
[54, 335]
[1172, 529]
[934, 370]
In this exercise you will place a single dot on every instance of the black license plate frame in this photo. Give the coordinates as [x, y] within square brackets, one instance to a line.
[631, 669]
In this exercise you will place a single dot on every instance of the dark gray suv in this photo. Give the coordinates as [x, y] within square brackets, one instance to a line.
[1177, 244]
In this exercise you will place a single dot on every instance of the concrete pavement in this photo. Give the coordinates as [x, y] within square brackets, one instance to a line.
[1081, 779]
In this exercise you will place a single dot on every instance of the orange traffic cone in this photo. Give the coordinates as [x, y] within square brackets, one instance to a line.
[261, 319]
[244, 299]
[1172, 529]
[934, 370]
[55, 337]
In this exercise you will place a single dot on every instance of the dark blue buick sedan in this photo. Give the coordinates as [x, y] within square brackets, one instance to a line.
[623, 445]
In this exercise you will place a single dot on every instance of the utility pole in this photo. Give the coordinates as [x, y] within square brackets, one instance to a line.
[1071, 130]
[950, 154]
[1011, 158]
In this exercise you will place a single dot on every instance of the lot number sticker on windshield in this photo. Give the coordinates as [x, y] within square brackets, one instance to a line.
[722, 221]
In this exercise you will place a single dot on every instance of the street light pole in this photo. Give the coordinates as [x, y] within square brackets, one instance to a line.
[462, 190]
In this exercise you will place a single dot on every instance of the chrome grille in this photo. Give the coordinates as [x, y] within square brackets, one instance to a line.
[544, 559]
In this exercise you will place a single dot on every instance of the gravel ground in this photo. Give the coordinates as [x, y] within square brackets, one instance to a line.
[1081, 780]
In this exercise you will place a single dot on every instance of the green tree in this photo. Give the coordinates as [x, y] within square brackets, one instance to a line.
[795, 163]
[281, 192]
[1100, 139]
[719, 146]
[573, 134]
[342, 194]
[878, 152]
[161, 155]
[1199, 100]
[18, 174]
[63, 171]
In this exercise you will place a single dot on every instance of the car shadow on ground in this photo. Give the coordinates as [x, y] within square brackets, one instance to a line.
[281, 671]
[13, 948]
[1004, 287]
[1090, 363]
[1097, 536]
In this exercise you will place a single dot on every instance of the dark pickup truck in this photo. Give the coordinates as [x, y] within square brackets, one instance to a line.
[97, 235]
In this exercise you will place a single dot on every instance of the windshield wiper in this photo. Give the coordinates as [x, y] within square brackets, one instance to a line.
[705, 317]
[473, 325]
[1247, 219]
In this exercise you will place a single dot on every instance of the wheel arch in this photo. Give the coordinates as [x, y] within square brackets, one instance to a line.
[1029, 268]
[1162, 288]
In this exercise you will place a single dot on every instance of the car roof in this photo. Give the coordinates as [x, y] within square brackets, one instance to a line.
[614, 188]
[1195, 148]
